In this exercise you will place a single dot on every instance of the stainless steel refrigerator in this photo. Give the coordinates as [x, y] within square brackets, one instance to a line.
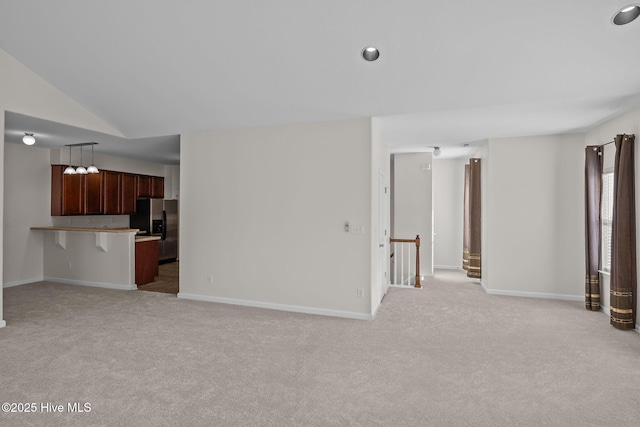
[158, 217]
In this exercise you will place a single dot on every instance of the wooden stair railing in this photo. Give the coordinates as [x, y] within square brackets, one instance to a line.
[417, 243]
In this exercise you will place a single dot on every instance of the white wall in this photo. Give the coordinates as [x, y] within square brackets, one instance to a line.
[263, 213]
[448, 211]
[413, 203]
[628, 123]
[25, 92]
[27, 195]
[533, 216]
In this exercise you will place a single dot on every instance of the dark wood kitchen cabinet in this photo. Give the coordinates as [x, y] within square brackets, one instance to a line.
[104, 193]
[111, 184]
[129, 194]
[146, 261]
[93, 194]
[150, 187]
[66, 192]
[157, 187]
[120, 193]
[75, 194]
[144, 186]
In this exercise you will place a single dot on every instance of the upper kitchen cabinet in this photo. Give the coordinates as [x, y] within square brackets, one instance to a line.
[144, 186]
[67, 192]
[75, 194]
[157, 187]
[120, 193]
[129, 193]
[93, 194]
[150, 187]
[112, 192]
[107, 192]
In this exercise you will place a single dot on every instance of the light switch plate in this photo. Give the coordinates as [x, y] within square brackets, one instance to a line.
[357, 229]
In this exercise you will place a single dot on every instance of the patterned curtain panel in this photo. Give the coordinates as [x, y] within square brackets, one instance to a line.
[593, 225]
[467, 221]
[623, 237]
[475, 224]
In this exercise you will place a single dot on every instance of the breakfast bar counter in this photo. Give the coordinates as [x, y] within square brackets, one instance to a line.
[99, 256]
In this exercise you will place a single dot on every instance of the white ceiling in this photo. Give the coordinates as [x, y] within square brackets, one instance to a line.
[450, 72]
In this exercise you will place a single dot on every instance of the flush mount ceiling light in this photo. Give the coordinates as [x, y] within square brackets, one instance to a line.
[370, 53]
[28, 139]
[626, 14]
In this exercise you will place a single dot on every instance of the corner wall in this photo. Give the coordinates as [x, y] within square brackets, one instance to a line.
[263, 213]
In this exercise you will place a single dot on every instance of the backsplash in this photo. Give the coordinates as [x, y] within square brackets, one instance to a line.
[90, 221]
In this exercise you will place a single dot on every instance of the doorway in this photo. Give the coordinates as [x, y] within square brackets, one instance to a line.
[167, 280]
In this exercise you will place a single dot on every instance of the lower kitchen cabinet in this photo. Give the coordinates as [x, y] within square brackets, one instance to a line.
[146, 261]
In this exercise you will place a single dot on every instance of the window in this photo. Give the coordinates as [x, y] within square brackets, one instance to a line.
[607, 216]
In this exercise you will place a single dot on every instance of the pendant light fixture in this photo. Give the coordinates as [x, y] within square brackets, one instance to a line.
[69, 170]
[80, 169]
[92, 168]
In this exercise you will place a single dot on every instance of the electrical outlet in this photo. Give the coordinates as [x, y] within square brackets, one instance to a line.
[210, 279]
[69, 265]
[359, 292]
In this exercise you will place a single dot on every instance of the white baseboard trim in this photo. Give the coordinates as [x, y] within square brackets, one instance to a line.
[447, 267]
[3, 323]
[281, 307]
[22, 282]
[92, 284]
[531, 294]
[484, 287]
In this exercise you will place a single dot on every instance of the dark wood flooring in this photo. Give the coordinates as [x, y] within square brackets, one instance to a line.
[166, 281]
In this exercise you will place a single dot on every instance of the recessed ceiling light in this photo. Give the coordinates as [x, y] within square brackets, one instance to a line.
[626, 14]
[370, 53]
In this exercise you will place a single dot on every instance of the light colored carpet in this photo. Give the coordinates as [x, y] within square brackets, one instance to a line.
[447, 355]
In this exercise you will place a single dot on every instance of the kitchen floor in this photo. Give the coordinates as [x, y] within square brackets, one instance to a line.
[166, 281]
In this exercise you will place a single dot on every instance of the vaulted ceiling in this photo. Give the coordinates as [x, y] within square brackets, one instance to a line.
[449, 73]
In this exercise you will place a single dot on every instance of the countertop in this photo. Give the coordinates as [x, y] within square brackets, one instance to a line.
[89, 229]
[146, 238]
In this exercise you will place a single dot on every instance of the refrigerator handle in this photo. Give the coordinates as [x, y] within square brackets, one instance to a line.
[164, 225]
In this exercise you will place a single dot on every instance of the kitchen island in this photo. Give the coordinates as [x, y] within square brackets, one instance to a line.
[102, 257]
